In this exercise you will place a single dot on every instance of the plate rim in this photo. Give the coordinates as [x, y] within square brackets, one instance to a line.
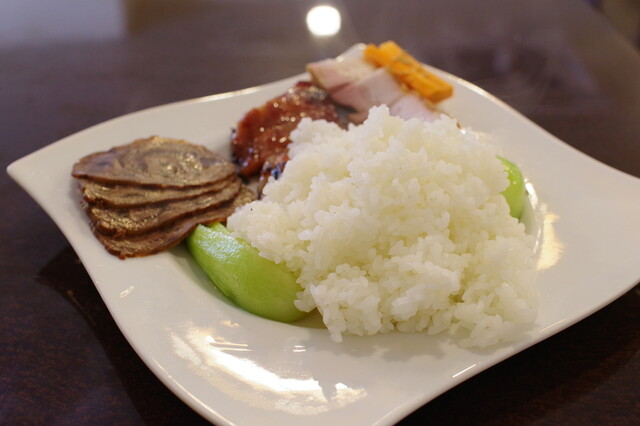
[15, 170]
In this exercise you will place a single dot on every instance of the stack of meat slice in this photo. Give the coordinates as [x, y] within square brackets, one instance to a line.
[147, 196]
[353, 82]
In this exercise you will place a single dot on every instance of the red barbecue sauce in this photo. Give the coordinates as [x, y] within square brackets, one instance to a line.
[264, 131]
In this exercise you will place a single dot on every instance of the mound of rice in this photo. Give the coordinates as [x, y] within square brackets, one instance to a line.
[397, 224]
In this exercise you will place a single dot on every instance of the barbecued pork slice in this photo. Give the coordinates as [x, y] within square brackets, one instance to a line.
[333, 73]
[264, 131]
[377, 88]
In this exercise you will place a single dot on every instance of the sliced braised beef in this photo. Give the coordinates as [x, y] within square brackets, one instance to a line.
[141, 219]
[157, 162]
[264, 131]
[146, 196]
[119, 195]
[171, 235]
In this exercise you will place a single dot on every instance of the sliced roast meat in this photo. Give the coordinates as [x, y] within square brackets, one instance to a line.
[272, 168]
[264, 131]
[358, 117]
[172, 234]
[411, 105]
[375, 89]
[331, 74]
[155, 161]
[119, 195]
[354, 82]
[142, 219]
[146, 196]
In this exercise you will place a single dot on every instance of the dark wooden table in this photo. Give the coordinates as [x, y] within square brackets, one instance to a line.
[66, 65]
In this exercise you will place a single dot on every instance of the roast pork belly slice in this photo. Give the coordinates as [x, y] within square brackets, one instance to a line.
[331, 74]
[411, 105]
[358, 117]
[377, 88]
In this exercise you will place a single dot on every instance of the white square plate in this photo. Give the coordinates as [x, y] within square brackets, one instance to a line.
[233, 367]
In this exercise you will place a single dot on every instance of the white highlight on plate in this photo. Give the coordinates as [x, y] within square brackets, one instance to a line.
[124, 293]
[324, 21]
[550, 327]
[465, 370]
[552, 247]
[276, 387]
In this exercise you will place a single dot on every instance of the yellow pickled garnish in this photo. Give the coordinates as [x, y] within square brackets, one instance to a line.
[408, 70]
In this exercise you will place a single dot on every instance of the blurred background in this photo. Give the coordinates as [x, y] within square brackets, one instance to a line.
[107, 58]
[571, 66]
[624, 15]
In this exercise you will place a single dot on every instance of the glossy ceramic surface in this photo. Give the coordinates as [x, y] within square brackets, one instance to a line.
[233, 367]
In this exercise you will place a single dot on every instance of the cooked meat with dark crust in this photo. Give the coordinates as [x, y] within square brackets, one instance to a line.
[264, 131]
[273, 167]
[172, 234]
[148, 195]
[119, 195]
[141, 219]
[157, 162]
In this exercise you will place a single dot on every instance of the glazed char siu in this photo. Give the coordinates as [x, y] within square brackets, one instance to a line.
[264, 131]
[273, 167]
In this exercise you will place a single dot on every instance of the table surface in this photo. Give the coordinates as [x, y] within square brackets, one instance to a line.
[67, 65]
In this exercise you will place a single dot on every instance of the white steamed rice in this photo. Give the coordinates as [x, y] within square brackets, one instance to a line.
[397, 224]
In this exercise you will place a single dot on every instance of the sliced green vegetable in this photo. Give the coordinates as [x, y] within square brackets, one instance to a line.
[254, 283]
[515, 194]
